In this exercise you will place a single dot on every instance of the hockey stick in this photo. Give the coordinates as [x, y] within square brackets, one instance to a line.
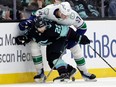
[102, 58]
[46, 77]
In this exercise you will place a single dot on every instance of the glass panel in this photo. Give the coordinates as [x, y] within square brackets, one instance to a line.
[22, 9]
[86, 8]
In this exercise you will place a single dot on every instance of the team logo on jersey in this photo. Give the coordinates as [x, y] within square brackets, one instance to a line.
[72, 15]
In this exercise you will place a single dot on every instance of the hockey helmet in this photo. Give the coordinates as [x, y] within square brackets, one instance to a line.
[39, 22]
[65, 8]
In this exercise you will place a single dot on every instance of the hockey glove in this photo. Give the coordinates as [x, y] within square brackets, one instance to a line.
[83, 39]
[22, 40]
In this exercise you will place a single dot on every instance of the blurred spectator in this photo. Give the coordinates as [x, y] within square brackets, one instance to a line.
[112, 8]
[71, 2]
[4, 13]
[47, 2]
[8, 12]
[25, 3]
[32, 6]
[106, 7]
[7, 15]
[93, 11]
[85, 9]
[98, 5]
[39, 3]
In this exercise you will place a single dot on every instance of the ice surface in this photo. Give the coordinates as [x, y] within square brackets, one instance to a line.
[101, 82]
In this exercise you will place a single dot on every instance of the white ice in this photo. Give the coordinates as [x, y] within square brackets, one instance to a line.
[101, 82]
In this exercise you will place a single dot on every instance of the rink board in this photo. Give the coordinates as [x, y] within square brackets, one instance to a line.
[16, 65]
[28, 77]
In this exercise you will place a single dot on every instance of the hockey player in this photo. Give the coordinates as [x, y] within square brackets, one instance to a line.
[63, 14]
[53, 35]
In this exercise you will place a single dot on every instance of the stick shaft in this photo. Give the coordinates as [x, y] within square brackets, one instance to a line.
[102, 58]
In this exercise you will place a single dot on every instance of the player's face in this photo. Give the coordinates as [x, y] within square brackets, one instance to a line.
[42, 29]
[62, 15]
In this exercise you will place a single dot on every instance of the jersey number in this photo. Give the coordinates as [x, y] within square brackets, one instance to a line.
[78, 19]
[58, 29]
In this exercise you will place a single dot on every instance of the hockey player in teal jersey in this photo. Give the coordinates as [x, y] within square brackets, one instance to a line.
[55, 36]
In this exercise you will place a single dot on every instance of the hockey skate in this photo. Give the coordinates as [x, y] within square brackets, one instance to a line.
[72, 73]
[40, 78]
[62, 78]
[88, 76]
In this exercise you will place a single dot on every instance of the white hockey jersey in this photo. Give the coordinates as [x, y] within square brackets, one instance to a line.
[48, 12]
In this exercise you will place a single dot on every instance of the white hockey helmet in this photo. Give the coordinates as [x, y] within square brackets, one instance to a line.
[65, 8]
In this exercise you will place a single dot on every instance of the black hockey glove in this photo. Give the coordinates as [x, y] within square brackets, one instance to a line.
[22, 40]
[83, 39]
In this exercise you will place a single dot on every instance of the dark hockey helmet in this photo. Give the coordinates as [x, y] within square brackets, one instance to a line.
[39, 22]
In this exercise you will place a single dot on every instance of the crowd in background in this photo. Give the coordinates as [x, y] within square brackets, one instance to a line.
[85, 8]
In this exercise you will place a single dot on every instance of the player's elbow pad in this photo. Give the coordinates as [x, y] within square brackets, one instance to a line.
[82, 29]
[21, 26]
[32, 17]
[25, 24]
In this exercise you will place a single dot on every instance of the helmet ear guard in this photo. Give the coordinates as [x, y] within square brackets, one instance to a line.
[65, 8]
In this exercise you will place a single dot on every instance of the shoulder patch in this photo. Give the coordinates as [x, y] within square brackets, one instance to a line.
[72, 15]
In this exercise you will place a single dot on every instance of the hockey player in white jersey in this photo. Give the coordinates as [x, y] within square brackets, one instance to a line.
[63, 14]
